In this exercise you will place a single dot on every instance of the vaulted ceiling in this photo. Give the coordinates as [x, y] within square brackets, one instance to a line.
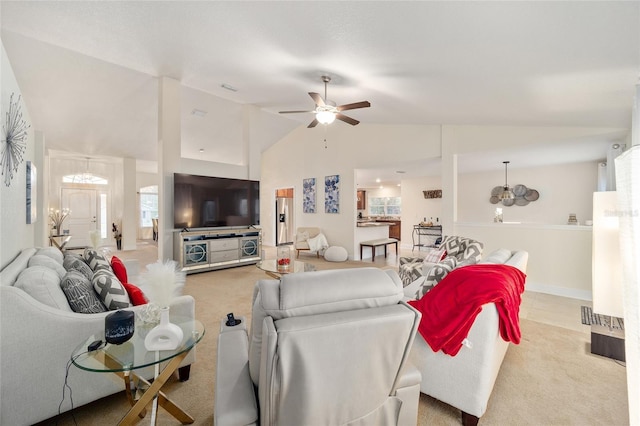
[89, 70]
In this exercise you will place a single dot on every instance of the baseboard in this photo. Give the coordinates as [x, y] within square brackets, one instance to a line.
[573, 293]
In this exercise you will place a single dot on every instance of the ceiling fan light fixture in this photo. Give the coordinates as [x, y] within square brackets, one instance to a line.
[326, 111]
[325, 117]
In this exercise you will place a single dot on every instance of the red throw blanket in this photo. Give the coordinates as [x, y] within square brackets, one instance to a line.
[451, 307]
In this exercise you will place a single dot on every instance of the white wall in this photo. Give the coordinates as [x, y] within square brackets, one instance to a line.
[16, 234]
[563, 189]
[302, 154]
[415, 207]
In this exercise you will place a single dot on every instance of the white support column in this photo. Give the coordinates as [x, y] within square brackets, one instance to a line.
[628, 183]
[251, 149]
[449, 183]
[130, 203]
[635, 118]
[41, 229]
[169, 155]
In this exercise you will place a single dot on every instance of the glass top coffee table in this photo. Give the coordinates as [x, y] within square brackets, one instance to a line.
[271, 268]
[131, 355]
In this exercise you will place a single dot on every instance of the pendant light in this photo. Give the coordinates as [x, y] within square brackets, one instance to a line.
[507, 193]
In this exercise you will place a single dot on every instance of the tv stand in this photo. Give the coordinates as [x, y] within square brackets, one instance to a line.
[216, 248]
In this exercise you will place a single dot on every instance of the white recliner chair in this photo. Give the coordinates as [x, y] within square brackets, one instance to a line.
[325, 348]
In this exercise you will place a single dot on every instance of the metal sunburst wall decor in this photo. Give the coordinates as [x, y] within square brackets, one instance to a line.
[14, 142]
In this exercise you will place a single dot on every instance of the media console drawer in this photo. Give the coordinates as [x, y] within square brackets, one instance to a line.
[224, 244]
[223, 256]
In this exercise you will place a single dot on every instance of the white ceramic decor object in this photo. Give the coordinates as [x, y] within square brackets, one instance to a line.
[165, 336]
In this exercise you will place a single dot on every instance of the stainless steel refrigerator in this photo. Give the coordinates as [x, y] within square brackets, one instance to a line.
[284, 221]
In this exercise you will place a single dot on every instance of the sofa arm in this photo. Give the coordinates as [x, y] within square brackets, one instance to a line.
[235, 399]
[408, 391]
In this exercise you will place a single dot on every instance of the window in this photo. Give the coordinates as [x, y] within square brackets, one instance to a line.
[148, 205]
[384, 206]
[85, 178]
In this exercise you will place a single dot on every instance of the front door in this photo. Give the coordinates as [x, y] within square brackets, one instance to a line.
[82, 218]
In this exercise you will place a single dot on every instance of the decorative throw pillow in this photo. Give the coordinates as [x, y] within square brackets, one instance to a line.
[110, 290]
[435, 256]
[43, 260]
[43, 284]
[436, 274]
[136, 295]
[462, 248]
[409, 272]
[73, 262]
[80, 293]
[119, 269]
[95, 260]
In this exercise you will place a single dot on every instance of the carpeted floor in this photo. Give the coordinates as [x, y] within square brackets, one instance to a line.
[549, 379]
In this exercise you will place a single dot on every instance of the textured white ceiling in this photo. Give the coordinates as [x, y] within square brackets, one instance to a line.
[89, 70]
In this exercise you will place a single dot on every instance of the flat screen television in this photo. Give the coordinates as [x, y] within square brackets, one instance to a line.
[205, 201]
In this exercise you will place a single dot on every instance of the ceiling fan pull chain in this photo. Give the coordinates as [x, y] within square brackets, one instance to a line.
[325, 137]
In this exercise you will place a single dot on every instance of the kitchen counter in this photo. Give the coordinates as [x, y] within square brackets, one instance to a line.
[391, 222]
[370, 224]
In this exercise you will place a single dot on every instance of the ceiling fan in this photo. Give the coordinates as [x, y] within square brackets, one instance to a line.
[326, 111]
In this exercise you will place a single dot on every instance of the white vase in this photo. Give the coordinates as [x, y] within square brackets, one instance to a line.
[165, 336]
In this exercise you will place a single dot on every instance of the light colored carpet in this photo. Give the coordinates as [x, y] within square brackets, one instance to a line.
[549, 379]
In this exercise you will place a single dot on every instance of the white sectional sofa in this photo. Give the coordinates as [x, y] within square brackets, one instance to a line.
[465, 381]
[36, 342]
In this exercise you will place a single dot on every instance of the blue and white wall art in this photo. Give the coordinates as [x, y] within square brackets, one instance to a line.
[309, 195]
[332, 194]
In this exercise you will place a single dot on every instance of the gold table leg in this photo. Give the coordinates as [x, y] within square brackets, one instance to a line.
[138, 408]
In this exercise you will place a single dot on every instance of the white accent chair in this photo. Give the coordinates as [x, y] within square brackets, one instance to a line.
[324, 348]
[465, 381]
[302, 235]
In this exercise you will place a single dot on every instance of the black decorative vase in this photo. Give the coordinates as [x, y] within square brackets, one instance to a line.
[119, 327]
[119, 244]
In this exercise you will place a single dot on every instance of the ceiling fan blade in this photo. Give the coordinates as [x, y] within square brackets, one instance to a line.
[317, 98]
[355, 105]
[293, 112]
[314, 123]
[346, 119]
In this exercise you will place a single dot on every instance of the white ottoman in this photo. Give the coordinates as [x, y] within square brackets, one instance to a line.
[336, 254]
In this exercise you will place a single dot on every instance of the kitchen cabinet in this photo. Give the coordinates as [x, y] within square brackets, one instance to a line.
[394, 227]
[362, 200]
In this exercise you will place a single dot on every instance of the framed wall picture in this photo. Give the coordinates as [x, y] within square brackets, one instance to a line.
[332, 194]
[32, 194]
[309, 195]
